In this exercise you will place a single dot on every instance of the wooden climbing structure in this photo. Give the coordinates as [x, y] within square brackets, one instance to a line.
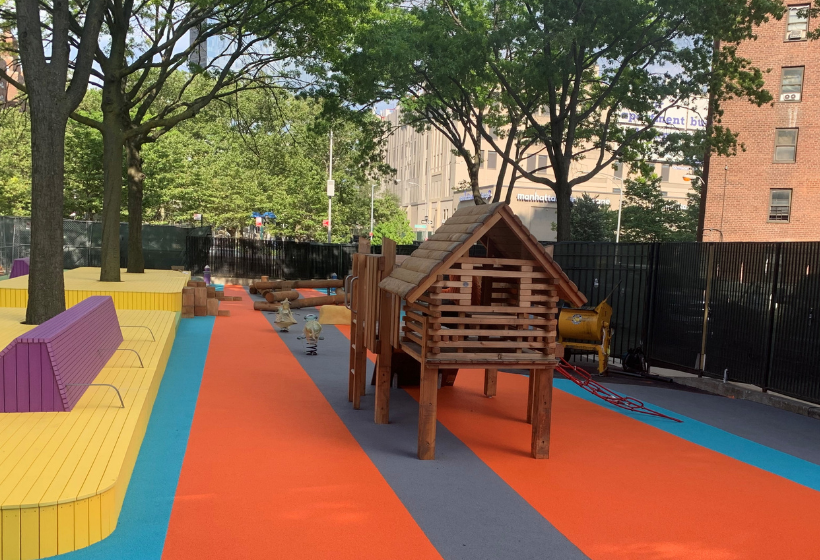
[463, 312]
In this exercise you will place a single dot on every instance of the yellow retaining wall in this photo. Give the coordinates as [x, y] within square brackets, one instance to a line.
[64, 475]
[154, 289]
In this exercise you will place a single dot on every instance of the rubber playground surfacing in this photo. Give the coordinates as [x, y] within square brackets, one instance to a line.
[253, 451]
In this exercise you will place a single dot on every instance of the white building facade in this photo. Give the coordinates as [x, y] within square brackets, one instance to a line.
[431, 182]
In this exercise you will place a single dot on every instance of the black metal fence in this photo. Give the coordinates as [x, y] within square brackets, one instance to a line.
[252, 258]
[744, 310]
[163, 246]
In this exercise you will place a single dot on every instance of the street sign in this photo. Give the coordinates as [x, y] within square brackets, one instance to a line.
[259, 221]
[331, 187]
[197, 217]
[420, 226]
[325, 223]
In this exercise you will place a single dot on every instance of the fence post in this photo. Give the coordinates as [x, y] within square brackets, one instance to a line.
[649, 305]
[710, 265]
[772, 316]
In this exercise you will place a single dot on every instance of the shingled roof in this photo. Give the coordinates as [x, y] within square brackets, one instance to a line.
[495, 224]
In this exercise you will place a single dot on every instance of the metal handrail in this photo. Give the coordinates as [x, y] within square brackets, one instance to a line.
[352, 283]
[126, 350]
[348, 279]
[140, 327]
[122, 404]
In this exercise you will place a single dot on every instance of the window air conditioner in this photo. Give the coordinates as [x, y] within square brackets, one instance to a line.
[797, 35]
[790, 97]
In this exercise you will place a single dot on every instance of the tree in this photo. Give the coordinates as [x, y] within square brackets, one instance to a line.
[581, 64]
[648, 217]
[55, 84]
[592, 221]
[146, 46]
[255, 152]
[440, 78]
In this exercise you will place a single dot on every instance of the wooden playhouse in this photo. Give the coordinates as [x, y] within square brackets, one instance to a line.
[463, 312]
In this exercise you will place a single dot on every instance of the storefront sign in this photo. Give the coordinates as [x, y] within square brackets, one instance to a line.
[551, 198]
[469, 196]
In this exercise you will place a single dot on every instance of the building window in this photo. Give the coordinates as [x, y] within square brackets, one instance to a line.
[785, 145]
[530, 163]
[664, 193]
[616, 190]
[798, 23]
[791, 83]
[492, 160]
[481, 161]
[542, 165]
[619, 170]
[665, 173]
[780, 205]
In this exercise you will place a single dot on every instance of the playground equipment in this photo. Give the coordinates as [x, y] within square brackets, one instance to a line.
[587, 330]
[462, 312]
[583, 380]
[284, 318]
[312, 334]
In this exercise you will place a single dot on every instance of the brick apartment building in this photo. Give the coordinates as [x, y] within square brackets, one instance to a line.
[10, 66]
[771, 191]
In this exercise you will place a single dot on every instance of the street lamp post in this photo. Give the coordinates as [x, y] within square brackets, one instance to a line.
[331, 189]
[372, 192]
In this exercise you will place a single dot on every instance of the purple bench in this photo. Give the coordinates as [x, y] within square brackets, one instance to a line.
[19, 268]
[38, 369]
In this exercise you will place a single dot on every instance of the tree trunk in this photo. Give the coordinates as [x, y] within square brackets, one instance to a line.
[136, 179]
[112, 202]
[46, 289]
[474, 184]
[113, 106]
[562, 197]
[510, 188]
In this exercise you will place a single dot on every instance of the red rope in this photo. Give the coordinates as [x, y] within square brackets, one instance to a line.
[585, 382]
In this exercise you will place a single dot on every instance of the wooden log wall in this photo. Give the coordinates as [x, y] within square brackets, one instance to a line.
[516, 318]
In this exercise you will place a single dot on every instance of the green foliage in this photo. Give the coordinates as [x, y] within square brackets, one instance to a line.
[253, 152]
[15, 163]
[648, 217]
[83, 162]
[391, 222]
[257, 153]
[592, 221]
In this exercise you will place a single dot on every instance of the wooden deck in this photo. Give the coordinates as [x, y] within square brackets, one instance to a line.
[155, 289]
[63, 475]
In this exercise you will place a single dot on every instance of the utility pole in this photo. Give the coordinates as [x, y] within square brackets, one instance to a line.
[331, 189]
[372, 190]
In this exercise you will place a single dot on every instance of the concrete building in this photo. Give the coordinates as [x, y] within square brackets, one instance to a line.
[771, 191]
[432, 182]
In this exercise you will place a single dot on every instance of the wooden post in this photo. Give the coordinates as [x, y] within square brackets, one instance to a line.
[542, 413]
[490, 382]
[529, 395]
[360, 360]
[386, 320]
[352, 361]
[428, 395]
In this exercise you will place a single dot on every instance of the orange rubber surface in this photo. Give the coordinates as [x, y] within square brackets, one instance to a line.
[271, 471]
[623, 490]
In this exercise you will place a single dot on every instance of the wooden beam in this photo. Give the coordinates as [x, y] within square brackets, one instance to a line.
[490, 382]
[530, 393]
[386, 320]
[542, 414]
[428, 397]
